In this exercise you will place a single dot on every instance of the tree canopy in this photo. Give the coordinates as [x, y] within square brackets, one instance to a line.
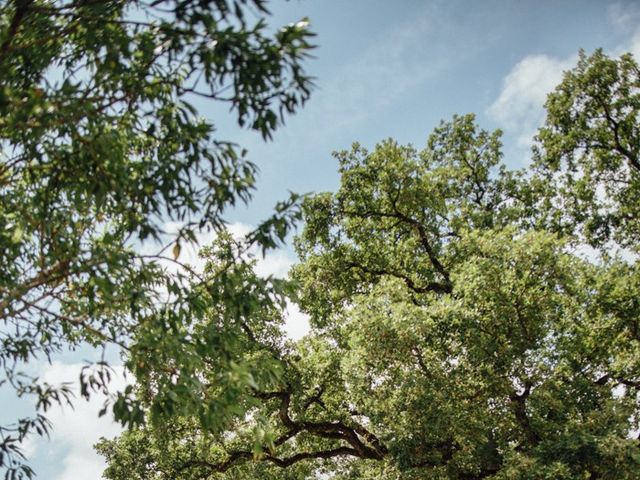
[101, 145]
[456, 331]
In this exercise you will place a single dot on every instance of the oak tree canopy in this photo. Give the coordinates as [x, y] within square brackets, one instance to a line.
[457, 333]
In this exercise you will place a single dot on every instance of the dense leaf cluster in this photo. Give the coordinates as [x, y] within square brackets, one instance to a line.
[457, 333]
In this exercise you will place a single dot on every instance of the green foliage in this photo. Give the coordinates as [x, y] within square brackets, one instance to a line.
[455, 333]
[100, 146]
[591, 145]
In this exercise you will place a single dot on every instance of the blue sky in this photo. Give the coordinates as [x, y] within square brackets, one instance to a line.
[383, 69]
[395, 69]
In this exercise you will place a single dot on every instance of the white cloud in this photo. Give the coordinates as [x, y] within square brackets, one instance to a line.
[82, 464]
[634, 46]
[296, 322]
[624, 15]
[276, 264]
[29, 446]
[239, 230]
[519, 109]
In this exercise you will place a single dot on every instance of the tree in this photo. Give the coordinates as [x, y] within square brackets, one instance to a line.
[101, 146]
[456, 334]
[591, 144]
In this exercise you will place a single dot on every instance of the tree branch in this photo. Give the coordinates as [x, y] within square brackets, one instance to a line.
[520, 411]
[21, 8]
[436, 287]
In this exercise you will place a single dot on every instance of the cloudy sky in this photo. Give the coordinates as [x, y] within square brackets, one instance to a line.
[383, 69]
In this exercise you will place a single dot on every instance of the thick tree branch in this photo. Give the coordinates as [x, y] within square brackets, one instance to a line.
[56, 273]
[353, 435]
[298, 457]
[329, 430]
[20, 12]
[422, 235]
[520, 411]
[436, 287]
[315, 398]
[425, 242]
[615, 127]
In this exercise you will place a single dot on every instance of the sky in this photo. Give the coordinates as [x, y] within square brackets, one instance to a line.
[382, 69]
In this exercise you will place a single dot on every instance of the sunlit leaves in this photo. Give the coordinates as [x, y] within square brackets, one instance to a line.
[456, 335]
[590, 145]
